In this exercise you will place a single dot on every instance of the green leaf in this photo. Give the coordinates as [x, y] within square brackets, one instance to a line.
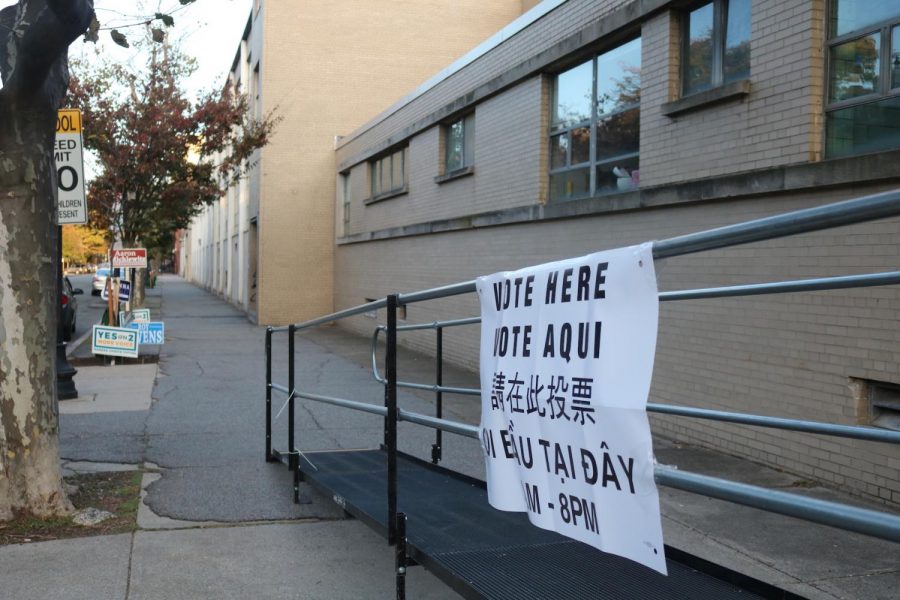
[119, 38]
[167, 20]
[158, 35]
[185, 2]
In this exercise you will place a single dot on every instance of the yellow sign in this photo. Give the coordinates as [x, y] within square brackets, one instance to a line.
[68, 120]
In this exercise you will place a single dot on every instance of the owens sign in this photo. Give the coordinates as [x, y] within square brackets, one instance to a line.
[129, 258]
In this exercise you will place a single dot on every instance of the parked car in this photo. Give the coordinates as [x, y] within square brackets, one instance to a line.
[69, 308]
[98, 281]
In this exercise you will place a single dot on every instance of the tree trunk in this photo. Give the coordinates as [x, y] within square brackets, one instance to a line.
[35, 76]
[137, 288]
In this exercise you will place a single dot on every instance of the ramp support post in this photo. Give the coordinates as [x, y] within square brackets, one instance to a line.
[401, 560]
[438, 395]
[390, 419]
[293, 463]
[269, 457]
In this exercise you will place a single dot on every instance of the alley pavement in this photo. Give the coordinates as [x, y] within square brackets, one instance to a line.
[217, 521]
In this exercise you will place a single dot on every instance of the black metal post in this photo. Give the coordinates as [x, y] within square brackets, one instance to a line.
[293, 463]
[390, 425]
[401, 560]
[65, 384]
[438, 395]
[269, 457]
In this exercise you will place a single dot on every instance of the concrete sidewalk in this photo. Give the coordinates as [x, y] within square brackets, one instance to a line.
[218, 522]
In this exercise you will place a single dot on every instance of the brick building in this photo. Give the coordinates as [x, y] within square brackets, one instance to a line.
[598, 124]
[325, 67]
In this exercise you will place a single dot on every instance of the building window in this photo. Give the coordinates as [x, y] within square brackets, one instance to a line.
[595, 125]
[389, 174]
[459, 144]
[716, 45]
[863, 103]
[345, 200]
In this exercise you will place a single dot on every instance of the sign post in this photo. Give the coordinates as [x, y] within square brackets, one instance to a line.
[567, 352]
[71, 207]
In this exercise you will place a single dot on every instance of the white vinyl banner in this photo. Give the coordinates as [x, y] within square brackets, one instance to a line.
[567, 353]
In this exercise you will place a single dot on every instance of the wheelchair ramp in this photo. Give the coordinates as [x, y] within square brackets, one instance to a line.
[486, 553]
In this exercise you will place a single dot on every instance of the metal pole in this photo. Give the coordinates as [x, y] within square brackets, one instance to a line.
[65, 384]
[294, 456]
[390, 424]
[269, 457]
[401, 561]
[438, 395]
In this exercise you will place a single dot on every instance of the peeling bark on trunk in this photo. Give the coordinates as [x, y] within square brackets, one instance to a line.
[138, 288]
[34, 37]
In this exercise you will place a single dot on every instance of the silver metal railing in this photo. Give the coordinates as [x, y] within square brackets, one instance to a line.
[850, 212]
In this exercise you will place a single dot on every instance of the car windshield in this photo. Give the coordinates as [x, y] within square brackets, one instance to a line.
[103, 272]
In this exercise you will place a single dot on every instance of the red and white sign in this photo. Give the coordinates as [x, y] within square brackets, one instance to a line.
[129, 258]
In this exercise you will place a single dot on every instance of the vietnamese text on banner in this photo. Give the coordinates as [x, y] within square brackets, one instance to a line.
[567, 353]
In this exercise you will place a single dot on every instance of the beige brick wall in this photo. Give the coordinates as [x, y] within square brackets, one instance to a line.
[785, 355]
[327, 67]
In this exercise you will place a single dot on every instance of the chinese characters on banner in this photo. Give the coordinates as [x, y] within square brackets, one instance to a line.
[567, 354]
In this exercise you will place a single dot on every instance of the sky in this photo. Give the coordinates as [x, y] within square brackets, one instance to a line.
[210, 31]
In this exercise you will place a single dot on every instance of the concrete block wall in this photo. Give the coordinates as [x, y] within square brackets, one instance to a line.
[563, 21]
[787, 355]
[779, 123]
[509, 139]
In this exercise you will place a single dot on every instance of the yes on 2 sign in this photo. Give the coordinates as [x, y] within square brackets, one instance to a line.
[71, 203]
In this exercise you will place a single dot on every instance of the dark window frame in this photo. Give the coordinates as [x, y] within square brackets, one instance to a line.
[591, 124]
[885, 91]
[375, 167]
[719, 39]
[884, 29]
[467, 123]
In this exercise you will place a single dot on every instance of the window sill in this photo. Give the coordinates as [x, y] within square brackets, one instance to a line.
[723, 93]
[386, 195]
[455, 174]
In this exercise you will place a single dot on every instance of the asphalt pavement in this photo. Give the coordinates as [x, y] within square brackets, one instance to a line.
[218, 522]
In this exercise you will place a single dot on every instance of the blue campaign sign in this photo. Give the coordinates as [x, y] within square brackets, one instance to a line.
[153, 332]
[124, 291]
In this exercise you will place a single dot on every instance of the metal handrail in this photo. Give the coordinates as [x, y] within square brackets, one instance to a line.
[838, 214]
[851, 518]
[871, 434]
[850, 212]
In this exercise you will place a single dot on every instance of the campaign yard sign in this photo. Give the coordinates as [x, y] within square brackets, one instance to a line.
[129, 258]
[140, 315]
[149, 332]
[567, 353]
[114, 341]
[124, 290]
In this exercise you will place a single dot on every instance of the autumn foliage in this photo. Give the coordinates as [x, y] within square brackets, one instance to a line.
[162, 155]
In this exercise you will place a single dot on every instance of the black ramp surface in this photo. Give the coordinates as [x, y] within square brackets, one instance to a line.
[483, 552]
